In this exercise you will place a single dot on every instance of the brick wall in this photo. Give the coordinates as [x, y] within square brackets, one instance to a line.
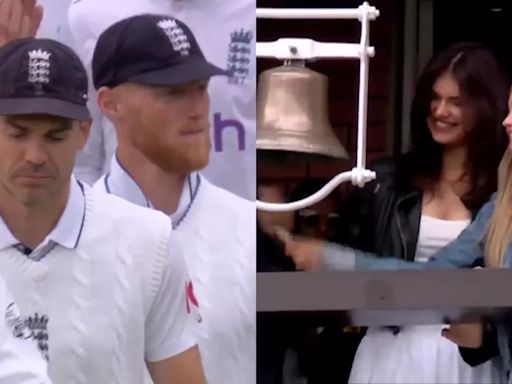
[343, 81]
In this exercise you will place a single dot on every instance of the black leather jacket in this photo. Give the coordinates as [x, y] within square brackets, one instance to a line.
[383, 217]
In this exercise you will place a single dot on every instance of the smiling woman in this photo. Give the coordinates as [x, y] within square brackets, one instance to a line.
[459, 105]
[445, 119]
[423, 201]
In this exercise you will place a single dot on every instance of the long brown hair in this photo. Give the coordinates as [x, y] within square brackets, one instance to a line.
[500, 226]
[484, 82]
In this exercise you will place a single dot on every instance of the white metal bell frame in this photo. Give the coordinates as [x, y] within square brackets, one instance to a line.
[307, 49]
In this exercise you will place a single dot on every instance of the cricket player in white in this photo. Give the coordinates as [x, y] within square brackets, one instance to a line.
[20, 360]
[152, 79]
[100, 282]
[226, 32]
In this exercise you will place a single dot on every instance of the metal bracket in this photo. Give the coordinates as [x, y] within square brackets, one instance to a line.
[307, 49]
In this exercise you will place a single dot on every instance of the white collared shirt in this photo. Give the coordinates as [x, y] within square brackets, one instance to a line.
[66, 233]
[119, 182]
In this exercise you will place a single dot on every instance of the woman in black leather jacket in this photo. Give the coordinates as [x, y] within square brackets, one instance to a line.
[383, 216]
[448, 174]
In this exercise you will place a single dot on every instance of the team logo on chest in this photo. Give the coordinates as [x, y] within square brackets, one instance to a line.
[239, 56]
[38, 325]
[33, 327]
[15, 322]
[39, 67]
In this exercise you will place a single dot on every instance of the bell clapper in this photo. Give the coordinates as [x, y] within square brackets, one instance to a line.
[295, 63]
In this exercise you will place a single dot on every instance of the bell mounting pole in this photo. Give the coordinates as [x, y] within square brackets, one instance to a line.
[300, 49]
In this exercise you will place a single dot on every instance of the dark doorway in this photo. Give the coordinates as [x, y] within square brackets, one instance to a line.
[485, 21]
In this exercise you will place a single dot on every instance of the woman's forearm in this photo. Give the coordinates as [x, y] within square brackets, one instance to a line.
[488, 350]
[340, 258]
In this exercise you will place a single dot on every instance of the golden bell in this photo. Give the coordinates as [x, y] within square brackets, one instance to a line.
[292, 113]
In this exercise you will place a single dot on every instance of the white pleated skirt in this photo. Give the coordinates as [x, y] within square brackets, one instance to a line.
[417, 354]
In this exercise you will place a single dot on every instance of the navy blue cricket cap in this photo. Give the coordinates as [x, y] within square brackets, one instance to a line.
[42, 76]
[149, 49]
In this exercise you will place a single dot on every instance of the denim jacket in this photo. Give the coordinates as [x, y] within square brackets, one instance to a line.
[463, 252]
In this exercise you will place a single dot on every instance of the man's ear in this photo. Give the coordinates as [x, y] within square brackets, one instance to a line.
[85, 129]
[106, 99]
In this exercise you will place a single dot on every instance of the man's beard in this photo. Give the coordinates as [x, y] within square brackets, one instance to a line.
[173, 161]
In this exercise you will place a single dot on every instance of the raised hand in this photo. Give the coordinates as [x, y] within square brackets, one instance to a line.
[19, 19]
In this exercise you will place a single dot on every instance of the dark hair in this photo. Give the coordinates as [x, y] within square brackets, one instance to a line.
[484, 83]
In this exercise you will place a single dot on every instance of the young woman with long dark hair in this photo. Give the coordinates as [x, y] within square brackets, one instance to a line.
[419, 203]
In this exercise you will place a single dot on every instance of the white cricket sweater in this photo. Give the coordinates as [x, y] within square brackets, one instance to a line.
[218, 238]
[111, 302]
[226, 32]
